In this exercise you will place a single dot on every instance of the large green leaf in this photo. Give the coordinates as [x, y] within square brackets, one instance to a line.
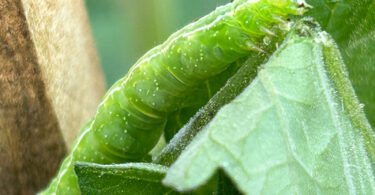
[297, 129]
[352, 25]
[130, 178]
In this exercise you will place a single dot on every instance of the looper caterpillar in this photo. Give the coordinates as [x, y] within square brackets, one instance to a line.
[133, 113]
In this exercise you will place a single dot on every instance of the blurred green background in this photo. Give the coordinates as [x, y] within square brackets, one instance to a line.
[125, 29]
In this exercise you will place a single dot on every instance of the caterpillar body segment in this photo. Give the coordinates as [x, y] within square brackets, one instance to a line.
[204, 49]
[134, 112]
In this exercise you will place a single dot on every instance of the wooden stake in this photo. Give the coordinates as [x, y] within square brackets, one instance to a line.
[50, 85]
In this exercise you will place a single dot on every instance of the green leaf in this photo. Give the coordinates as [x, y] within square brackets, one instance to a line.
[352, 25]
[297, 129]
[130, 178]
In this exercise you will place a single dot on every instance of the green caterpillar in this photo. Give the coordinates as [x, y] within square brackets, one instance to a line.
[134, 112]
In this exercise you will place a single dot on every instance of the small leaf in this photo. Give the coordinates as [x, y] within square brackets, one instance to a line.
[297, 129]
[130, 178]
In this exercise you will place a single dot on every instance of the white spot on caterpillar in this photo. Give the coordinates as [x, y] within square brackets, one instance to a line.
[266, 40]
[267, 31]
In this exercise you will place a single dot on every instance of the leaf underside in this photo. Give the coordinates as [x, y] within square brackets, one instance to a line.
[289, 132]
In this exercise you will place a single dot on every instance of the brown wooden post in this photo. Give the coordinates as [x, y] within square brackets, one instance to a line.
[50, 84]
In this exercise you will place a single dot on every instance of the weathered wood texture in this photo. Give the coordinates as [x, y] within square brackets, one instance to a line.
[50, 84]
[68, 59]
